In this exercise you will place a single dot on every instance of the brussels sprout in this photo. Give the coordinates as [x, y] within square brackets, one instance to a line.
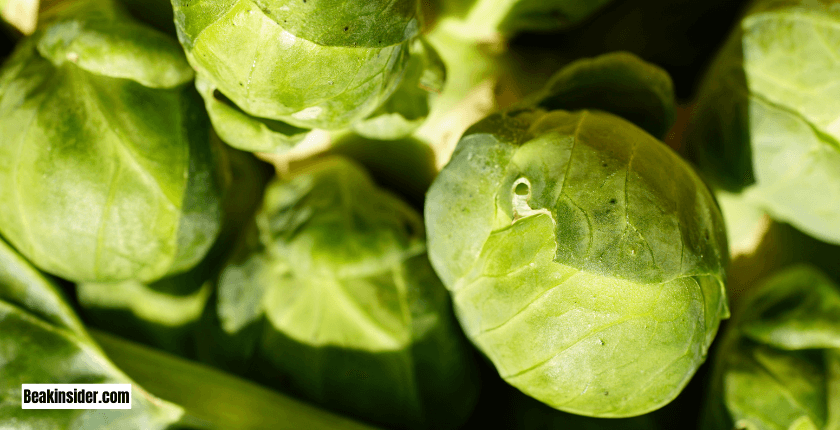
[779, 364]
[287, 66]
[106, 169]
[332, 297]
[584, 258]
[766, 124]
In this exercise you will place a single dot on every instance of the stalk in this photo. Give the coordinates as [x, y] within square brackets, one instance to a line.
[213, 399]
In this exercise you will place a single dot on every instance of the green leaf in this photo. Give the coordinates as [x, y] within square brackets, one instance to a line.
[746, 222]
[52, 11]
[530, 414]
[167, 313]
[164, 313]
[44, 342]
[117, 49]
[332, 297]
[243, 131]
[619, 83]
[103, 178]
[574, 244]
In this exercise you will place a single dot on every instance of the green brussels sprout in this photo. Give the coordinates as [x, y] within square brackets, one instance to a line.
[584, 258]
[107, 172]
[766, 124]
[331, 296]
[778, 366]
[272, 69]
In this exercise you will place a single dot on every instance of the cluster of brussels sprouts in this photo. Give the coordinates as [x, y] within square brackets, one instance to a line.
[403, 214]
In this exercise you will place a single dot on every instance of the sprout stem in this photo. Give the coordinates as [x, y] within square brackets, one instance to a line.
[213, 399]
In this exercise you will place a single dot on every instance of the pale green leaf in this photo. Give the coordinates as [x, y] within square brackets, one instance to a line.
[293, 62]
[103, 178]
[619, 83]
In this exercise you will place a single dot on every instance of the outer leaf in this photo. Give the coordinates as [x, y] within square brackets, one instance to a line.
[332, 297]
[300, 63]
[243, 131]
[528, 413]
[746, 222]
[166, 313]
[769, 123]
[43, 342]
[573, 245]
[51, 11]
[408, 107]
[117, 49]
[346, 23]
[620, 83]
[103, 178]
